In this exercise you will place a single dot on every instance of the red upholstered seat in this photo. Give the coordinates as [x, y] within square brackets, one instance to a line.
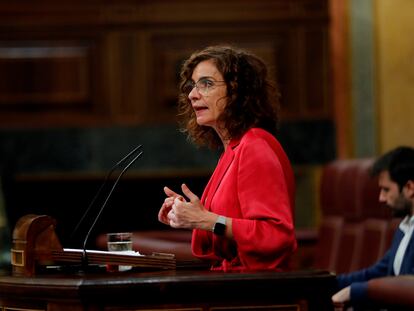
[330, 190]
[349, 249]
[330, 231]
[373, 241]
[354, 230]
[392, 293]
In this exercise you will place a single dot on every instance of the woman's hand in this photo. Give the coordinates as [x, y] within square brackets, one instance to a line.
[186, 214]
[181, 213]
[167, 205]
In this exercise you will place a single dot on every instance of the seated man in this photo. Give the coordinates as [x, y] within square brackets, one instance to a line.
[395, 170]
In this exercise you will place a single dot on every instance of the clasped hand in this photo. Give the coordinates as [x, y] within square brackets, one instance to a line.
[178, 212]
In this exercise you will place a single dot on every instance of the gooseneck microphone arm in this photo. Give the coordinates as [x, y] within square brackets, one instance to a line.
[106, 201]
[98, 193]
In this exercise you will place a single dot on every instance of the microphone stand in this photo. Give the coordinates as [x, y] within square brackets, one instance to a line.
[84, 254]
[84, 260]
[98, 193]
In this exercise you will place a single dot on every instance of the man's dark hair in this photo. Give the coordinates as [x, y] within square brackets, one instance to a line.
[399, 162]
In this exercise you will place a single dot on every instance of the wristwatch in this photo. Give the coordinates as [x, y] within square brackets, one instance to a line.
[219, 227]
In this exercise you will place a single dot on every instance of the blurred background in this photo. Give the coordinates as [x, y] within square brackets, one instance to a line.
[84, 82]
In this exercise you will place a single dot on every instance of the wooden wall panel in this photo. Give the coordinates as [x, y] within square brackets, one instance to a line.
[116, 62]
[316, 70]
[39, 74]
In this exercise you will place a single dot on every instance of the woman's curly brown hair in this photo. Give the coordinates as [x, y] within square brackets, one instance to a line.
[253, 100]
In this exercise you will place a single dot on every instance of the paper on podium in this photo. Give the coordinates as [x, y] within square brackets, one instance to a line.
[130, 258]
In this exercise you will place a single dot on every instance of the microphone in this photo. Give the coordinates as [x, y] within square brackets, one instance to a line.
[98, 193]
[84, 254]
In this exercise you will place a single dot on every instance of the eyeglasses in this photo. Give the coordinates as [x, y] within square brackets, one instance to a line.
[203, 86]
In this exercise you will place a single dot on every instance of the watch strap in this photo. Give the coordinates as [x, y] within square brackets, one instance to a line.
[219, 227]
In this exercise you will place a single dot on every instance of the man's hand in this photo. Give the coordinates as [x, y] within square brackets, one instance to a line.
[343, 296]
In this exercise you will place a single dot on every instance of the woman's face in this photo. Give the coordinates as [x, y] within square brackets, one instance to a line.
[208, 97]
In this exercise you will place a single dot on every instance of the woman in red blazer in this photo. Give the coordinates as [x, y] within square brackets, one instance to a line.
[244, 219]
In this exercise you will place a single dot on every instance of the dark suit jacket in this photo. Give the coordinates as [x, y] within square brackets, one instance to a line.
[384, 267]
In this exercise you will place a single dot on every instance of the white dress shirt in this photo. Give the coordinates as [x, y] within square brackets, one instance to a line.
[406, 226]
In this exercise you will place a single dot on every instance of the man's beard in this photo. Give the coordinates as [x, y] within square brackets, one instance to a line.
[402, 207]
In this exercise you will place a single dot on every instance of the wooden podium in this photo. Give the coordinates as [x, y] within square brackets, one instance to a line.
[35, 245]
[178, 290]
[158, 284]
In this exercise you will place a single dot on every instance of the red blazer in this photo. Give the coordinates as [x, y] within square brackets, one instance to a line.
[253, 184]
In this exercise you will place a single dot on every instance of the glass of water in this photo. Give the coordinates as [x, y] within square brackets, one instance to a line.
[119, 242]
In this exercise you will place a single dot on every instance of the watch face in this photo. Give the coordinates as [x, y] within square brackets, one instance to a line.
[219, 228]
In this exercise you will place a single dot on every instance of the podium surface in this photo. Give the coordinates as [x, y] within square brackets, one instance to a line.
[169, 290]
